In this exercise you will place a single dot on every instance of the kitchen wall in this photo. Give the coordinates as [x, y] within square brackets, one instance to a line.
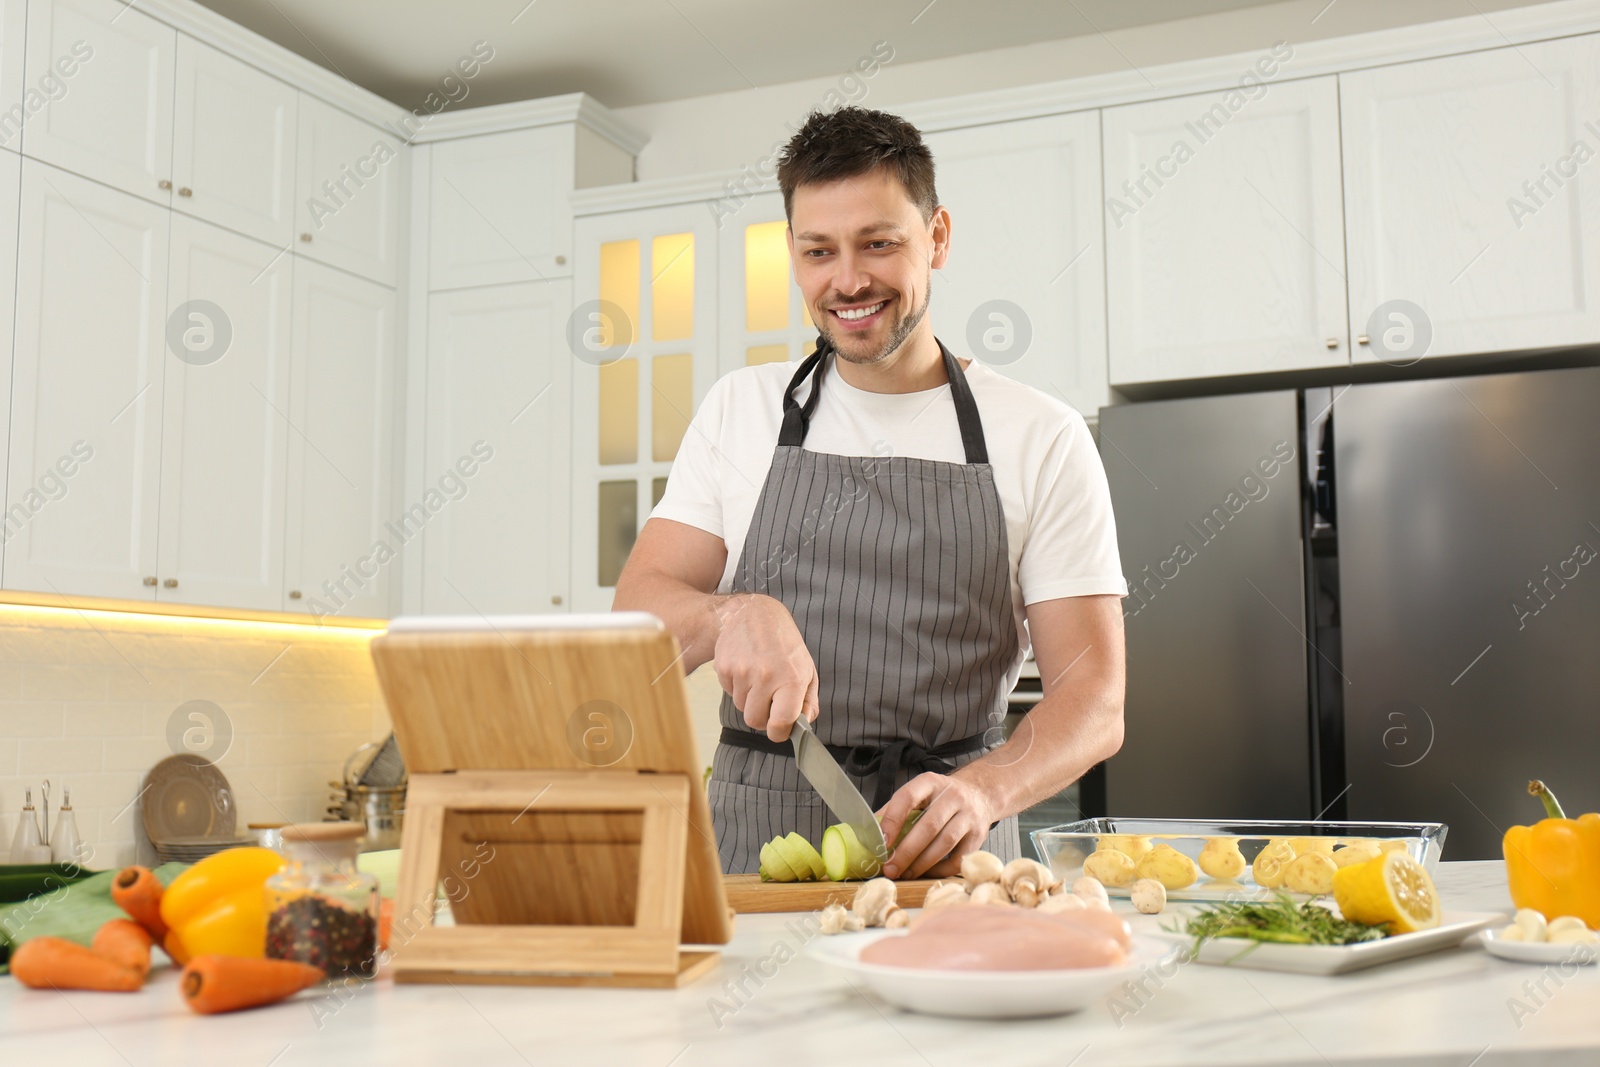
[91, 700]
[727, 131]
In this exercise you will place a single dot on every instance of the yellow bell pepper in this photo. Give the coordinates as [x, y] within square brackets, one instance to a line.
[1553, 866]
[218, 906]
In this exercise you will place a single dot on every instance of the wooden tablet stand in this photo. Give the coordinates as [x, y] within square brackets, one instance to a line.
[554, 794]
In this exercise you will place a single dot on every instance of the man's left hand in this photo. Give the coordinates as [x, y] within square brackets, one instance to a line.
[956, 816]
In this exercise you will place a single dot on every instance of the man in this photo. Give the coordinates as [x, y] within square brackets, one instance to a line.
[871, 541]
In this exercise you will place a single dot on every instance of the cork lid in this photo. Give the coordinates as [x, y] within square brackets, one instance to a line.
[324, 831]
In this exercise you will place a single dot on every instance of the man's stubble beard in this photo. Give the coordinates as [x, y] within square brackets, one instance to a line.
[897, 337]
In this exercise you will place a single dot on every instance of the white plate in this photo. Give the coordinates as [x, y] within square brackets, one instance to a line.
[985, 994]
[1535, 951]
[1455, 927]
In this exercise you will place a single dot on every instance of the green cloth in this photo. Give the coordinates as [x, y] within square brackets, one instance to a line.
[384, 866]
[74, 910]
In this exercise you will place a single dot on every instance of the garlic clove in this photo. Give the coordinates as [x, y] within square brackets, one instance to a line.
[1534, 928]
[1564, 922]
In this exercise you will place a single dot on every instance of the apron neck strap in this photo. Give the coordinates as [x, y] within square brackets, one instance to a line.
[797, 417]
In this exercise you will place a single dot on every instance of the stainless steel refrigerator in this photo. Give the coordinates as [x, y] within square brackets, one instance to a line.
[1376, 602]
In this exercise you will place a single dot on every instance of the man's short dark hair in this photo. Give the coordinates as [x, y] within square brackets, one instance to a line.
[853, 141]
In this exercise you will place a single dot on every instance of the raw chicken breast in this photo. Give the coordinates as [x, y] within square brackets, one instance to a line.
[978, 938]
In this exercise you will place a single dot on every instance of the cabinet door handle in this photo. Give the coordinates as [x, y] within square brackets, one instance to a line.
[164, 183]
[184, 190]
[171, 583]
[305, 238]
[294, 594]
[561, 261]
[150, 580]
[556, 600]
[1333, 342]
[1363, 340]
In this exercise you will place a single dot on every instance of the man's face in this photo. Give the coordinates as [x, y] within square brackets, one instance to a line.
[864, 258]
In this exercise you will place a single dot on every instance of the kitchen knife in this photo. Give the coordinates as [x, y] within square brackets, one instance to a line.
[819, 767]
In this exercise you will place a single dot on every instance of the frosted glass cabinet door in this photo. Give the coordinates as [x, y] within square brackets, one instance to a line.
[1225, 234]
[224, 425]
[343, 552]
[1024, 288]
[1472, 194]
[85, 463]
[492, 512]
[234, 145]
[347, 197]
[114, 121]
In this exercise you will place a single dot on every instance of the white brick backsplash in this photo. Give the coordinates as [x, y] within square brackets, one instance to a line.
[89, 707]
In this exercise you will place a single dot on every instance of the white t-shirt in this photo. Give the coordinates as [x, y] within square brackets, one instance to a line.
[1059, 528]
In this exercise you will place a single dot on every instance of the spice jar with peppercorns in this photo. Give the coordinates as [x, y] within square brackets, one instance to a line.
[321, 910]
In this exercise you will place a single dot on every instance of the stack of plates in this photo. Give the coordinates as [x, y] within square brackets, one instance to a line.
[190, 849]
[189, 811]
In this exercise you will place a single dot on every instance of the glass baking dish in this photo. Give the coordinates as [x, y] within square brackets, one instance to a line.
[1064, 848]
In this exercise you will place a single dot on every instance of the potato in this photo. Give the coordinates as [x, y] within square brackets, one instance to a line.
[1111, 867]
[1133, 846]
[1168, 866]
[1221, 858]
[1271, 863]
[1310, 873]
[1302, 845]
[1356, 852]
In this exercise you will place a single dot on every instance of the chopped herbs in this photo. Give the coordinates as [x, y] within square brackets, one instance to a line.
[1281, 921]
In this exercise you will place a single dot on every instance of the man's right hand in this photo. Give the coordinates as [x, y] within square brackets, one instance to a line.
[764, 665]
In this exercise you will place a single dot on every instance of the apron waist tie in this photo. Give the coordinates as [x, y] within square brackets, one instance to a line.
[879, 762]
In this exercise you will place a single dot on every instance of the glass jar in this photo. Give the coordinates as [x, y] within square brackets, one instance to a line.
[320, 909]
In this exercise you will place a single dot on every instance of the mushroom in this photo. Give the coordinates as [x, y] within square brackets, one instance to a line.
[873, 901]
[1148, 895]
[1027, 881]
[978, 868]
[853, 923]
[992, 893]
[896, 918]
[832, 918]
[1057, 902]
[1532, 924]
[944, 895]
[1092, 892]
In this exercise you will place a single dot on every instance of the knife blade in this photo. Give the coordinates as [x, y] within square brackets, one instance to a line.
[819, 767]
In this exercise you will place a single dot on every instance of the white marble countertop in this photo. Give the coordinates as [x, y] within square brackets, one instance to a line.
[1450, 1008]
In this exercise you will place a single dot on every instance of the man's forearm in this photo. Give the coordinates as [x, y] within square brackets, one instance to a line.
[1063, 736]
[695, 618]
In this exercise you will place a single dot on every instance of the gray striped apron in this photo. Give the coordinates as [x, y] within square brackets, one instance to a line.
[897, 574]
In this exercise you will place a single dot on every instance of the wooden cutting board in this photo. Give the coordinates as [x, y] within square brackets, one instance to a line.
[747, 893]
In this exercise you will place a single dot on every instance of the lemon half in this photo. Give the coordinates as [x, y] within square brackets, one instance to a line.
[1392, 889]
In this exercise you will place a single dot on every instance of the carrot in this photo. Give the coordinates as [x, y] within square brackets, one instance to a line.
[385, 921]
[56, 963]
[126, 942]
[137, 892]
[211, 984]
[172, 945]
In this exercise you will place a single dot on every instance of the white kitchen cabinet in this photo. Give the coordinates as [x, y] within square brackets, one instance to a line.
[10, 202]
[113, 119]
[234, 142]
[87, 389]
[1472, 194]
[1225, 234]
[342, 546]
[494, 506]
[498, 208]
[13, 43]
[225, 425]
[347, 196]
[1024, 288]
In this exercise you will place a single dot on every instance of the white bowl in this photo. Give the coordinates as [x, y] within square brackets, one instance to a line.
[1537, 951]
[985, 994]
